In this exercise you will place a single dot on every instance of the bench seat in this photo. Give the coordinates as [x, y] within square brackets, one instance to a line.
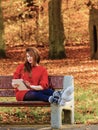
[24, 103]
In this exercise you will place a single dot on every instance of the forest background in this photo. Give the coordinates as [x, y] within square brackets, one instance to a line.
[24, 28]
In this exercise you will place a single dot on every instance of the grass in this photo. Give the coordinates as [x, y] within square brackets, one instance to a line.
[21, 115]
[86, 104]
[86, 112]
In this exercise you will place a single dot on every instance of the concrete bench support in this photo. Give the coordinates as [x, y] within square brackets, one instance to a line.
[65, 113]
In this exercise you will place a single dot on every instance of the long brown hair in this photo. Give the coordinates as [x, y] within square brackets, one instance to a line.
[35, 54]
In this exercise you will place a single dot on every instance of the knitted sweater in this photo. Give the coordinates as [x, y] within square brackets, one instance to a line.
[38, 76]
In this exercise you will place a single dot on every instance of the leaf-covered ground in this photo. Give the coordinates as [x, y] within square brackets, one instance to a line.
[77, 63]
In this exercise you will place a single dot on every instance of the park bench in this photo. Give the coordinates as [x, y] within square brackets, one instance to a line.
[56, 82]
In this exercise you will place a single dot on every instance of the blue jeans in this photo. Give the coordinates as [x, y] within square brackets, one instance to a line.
[41, 95]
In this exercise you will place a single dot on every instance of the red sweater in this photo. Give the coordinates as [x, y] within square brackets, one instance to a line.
[39, 76]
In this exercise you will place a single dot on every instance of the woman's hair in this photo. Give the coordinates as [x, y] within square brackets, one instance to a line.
[36, 58]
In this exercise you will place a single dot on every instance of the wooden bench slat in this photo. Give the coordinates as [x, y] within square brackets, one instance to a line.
[7, 93]
[54, 82]
[24, 104]
[5, 82]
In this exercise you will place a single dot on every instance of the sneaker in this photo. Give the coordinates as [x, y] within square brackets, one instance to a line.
[66, 95]
[53, 100]
[57, 94]
[62, 102]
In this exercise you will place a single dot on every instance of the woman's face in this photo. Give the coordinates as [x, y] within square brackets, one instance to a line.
[30, 58]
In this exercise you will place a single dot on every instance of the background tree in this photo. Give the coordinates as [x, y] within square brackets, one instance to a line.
[2, 44]
[56, 31]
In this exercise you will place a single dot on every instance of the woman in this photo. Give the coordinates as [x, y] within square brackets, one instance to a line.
[35, 77]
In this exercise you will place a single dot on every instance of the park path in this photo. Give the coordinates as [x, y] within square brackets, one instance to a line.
[48, 127]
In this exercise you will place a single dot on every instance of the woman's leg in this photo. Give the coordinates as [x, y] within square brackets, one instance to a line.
[42, 95]
[48, 92]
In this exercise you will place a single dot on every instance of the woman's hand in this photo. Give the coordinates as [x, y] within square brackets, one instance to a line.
[33, 87]
[15, 85]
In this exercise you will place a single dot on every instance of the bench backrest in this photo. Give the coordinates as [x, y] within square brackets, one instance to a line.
[55, 82]
[6, 89]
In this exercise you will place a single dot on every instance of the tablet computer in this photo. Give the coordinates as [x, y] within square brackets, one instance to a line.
[21, 84]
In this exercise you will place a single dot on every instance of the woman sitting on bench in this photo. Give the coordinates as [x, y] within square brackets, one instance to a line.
[35, 78]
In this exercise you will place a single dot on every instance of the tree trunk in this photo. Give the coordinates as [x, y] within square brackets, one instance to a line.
[93, 30]
[56, 31]
[2, 45]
